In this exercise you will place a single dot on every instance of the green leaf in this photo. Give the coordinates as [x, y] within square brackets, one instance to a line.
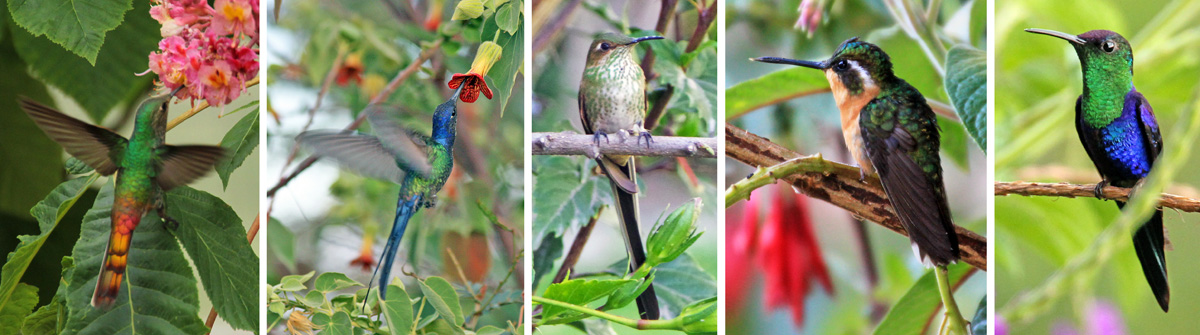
[578, 292]
[294, 283]
[213, 236]
[333, 281]
[771, 89]
[966, 84]
[239, 142]
[700, 317]
[508, 17]
[158, 275]
[19, 306]
[75, 166]
[48, 212]
[979, 323]
[467, 9]
[504, 71]
[979, 23]
[908, 316]
[489, 330]
[101, 84]
[441, 295]
[398, 310]
[565, 195]
[78, 26]
[339, 325]
[45, 319]
[22, 185]
[546, 256]
[282, 241]
[678, 283]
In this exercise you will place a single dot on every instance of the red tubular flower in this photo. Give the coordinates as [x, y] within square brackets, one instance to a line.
[739, 255]
[789, 254]
[472, 81]
[351, 69]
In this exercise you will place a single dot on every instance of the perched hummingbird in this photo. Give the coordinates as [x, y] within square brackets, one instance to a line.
[890, 129]
[612, 100]
[146, 168]
[418, 163]
[1120, 134]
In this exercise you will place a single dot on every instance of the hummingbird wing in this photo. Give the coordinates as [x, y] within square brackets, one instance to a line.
[181, 165]
[1149, 124]
[905, 153]
[407, 146]
[97, 147]
[616, 171]
[1149, 240]
[360, 153]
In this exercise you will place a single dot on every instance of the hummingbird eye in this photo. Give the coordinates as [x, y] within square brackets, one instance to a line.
[841, 65]
[605, 46]
[1109, 46]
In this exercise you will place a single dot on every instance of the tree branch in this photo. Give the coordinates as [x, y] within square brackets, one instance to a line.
[577, 245]
[1088, 191]
[585, 145]
[839, 184]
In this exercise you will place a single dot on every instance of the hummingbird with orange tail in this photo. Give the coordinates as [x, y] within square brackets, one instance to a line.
[890, 130]
[145, 167]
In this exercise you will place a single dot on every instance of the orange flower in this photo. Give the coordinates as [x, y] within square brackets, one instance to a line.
[351, 69]
[472, 81]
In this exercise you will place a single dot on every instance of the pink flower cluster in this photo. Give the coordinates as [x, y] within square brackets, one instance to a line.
[212, 51]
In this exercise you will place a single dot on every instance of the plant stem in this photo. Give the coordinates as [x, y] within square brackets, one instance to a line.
[956, 322]
[201, 106]
[673, 324]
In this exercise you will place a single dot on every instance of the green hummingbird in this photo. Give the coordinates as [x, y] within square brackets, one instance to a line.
[890, 130]
[145, 169]
[612, 100]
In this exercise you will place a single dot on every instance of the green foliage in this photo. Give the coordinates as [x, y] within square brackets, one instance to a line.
[20, 305]
[22, 185]
[674, 236]
[239, 142]
[568, 195]
[910, 314]
[771, 89]
[77, 27]
[578, 292]
[966, 83]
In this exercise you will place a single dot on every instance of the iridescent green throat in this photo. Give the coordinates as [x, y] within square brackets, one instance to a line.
[1106, 81]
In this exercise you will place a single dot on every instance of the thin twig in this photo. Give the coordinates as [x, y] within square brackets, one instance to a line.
[660, 146]
[839, 184]
[1088, 191]
[547, 33]
[664, 18]
[577, 247]
[707, 16]
[660, 105]
[201, 106]
[312, 112]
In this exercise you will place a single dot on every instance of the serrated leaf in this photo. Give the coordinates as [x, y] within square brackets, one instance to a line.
[966, 84]
[580, 292]
[508, 17]
[23, 185]
[442, 297]
[563, 198]
[908, 315]
[546, 256]
[44, 320]
[77, 26]
[213, 236]
[158, 293]
[20, 305]
[467, 9]
[100, 85]
[333, 281]
[771, 89]
[239, 142]
[398, 310]
[504, 71]
[48, 212]
[281, 242]
[678, 283]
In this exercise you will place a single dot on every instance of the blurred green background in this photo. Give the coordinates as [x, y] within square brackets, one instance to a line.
[811, 124]
[1037, 83]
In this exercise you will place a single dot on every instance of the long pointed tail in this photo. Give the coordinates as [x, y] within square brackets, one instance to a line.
[1149, 241]
[112, 271]
[404, 211]
[627, 206]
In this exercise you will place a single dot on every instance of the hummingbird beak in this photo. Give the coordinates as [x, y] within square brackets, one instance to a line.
[805, 63]
[456, 93]
[176, 90]
[646, 38]
[1062, 35]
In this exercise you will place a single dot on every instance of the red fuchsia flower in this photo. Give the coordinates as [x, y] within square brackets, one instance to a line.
[472, 82]
[739, 255]
[810, 16]
[789, 254]
[212, 52]
[351, 69]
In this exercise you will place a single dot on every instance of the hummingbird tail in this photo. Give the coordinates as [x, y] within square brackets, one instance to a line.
[404, 211]
[627, 207]
[1149, 241]
[112, 270]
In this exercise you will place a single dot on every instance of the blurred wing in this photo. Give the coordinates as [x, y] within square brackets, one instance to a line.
[97, 147]
[408, 147]
[1150, 135]
[918, 197]
[184, 164]
[362, 154]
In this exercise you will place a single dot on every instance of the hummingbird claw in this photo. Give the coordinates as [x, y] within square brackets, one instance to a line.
[1099, 191]
[646, 135]
[596, 137]
[167, 221]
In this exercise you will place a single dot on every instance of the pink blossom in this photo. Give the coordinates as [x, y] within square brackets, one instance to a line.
[219, 85]
[210, 51]
[235, 17]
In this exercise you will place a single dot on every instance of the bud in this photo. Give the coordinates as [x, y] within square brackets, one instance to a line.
[673, 237]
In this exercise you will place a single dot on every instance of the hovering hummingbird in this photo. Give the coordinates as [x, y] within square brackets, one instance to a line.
[890, 130]
[145, 169]
[612, 100]
[1120, 134]
[418, 163]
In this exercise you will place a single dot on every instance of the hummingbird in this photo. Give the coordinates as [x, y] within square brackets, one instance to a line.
[1120, 134]
[890, 130]
[612, 100]
[420, 164]
[145, 169]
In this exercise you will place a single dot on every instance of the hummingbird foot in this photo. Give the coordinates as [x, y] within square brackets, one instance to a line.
[429, 202]
[597, 135]
[1099, 191]
[646, 135]
[167, 221]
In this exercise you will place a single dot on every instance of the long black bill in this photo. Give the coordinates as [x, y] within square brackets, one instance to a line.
[646, 38]
[176, 90]
[805, 63]
[1059, 34]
